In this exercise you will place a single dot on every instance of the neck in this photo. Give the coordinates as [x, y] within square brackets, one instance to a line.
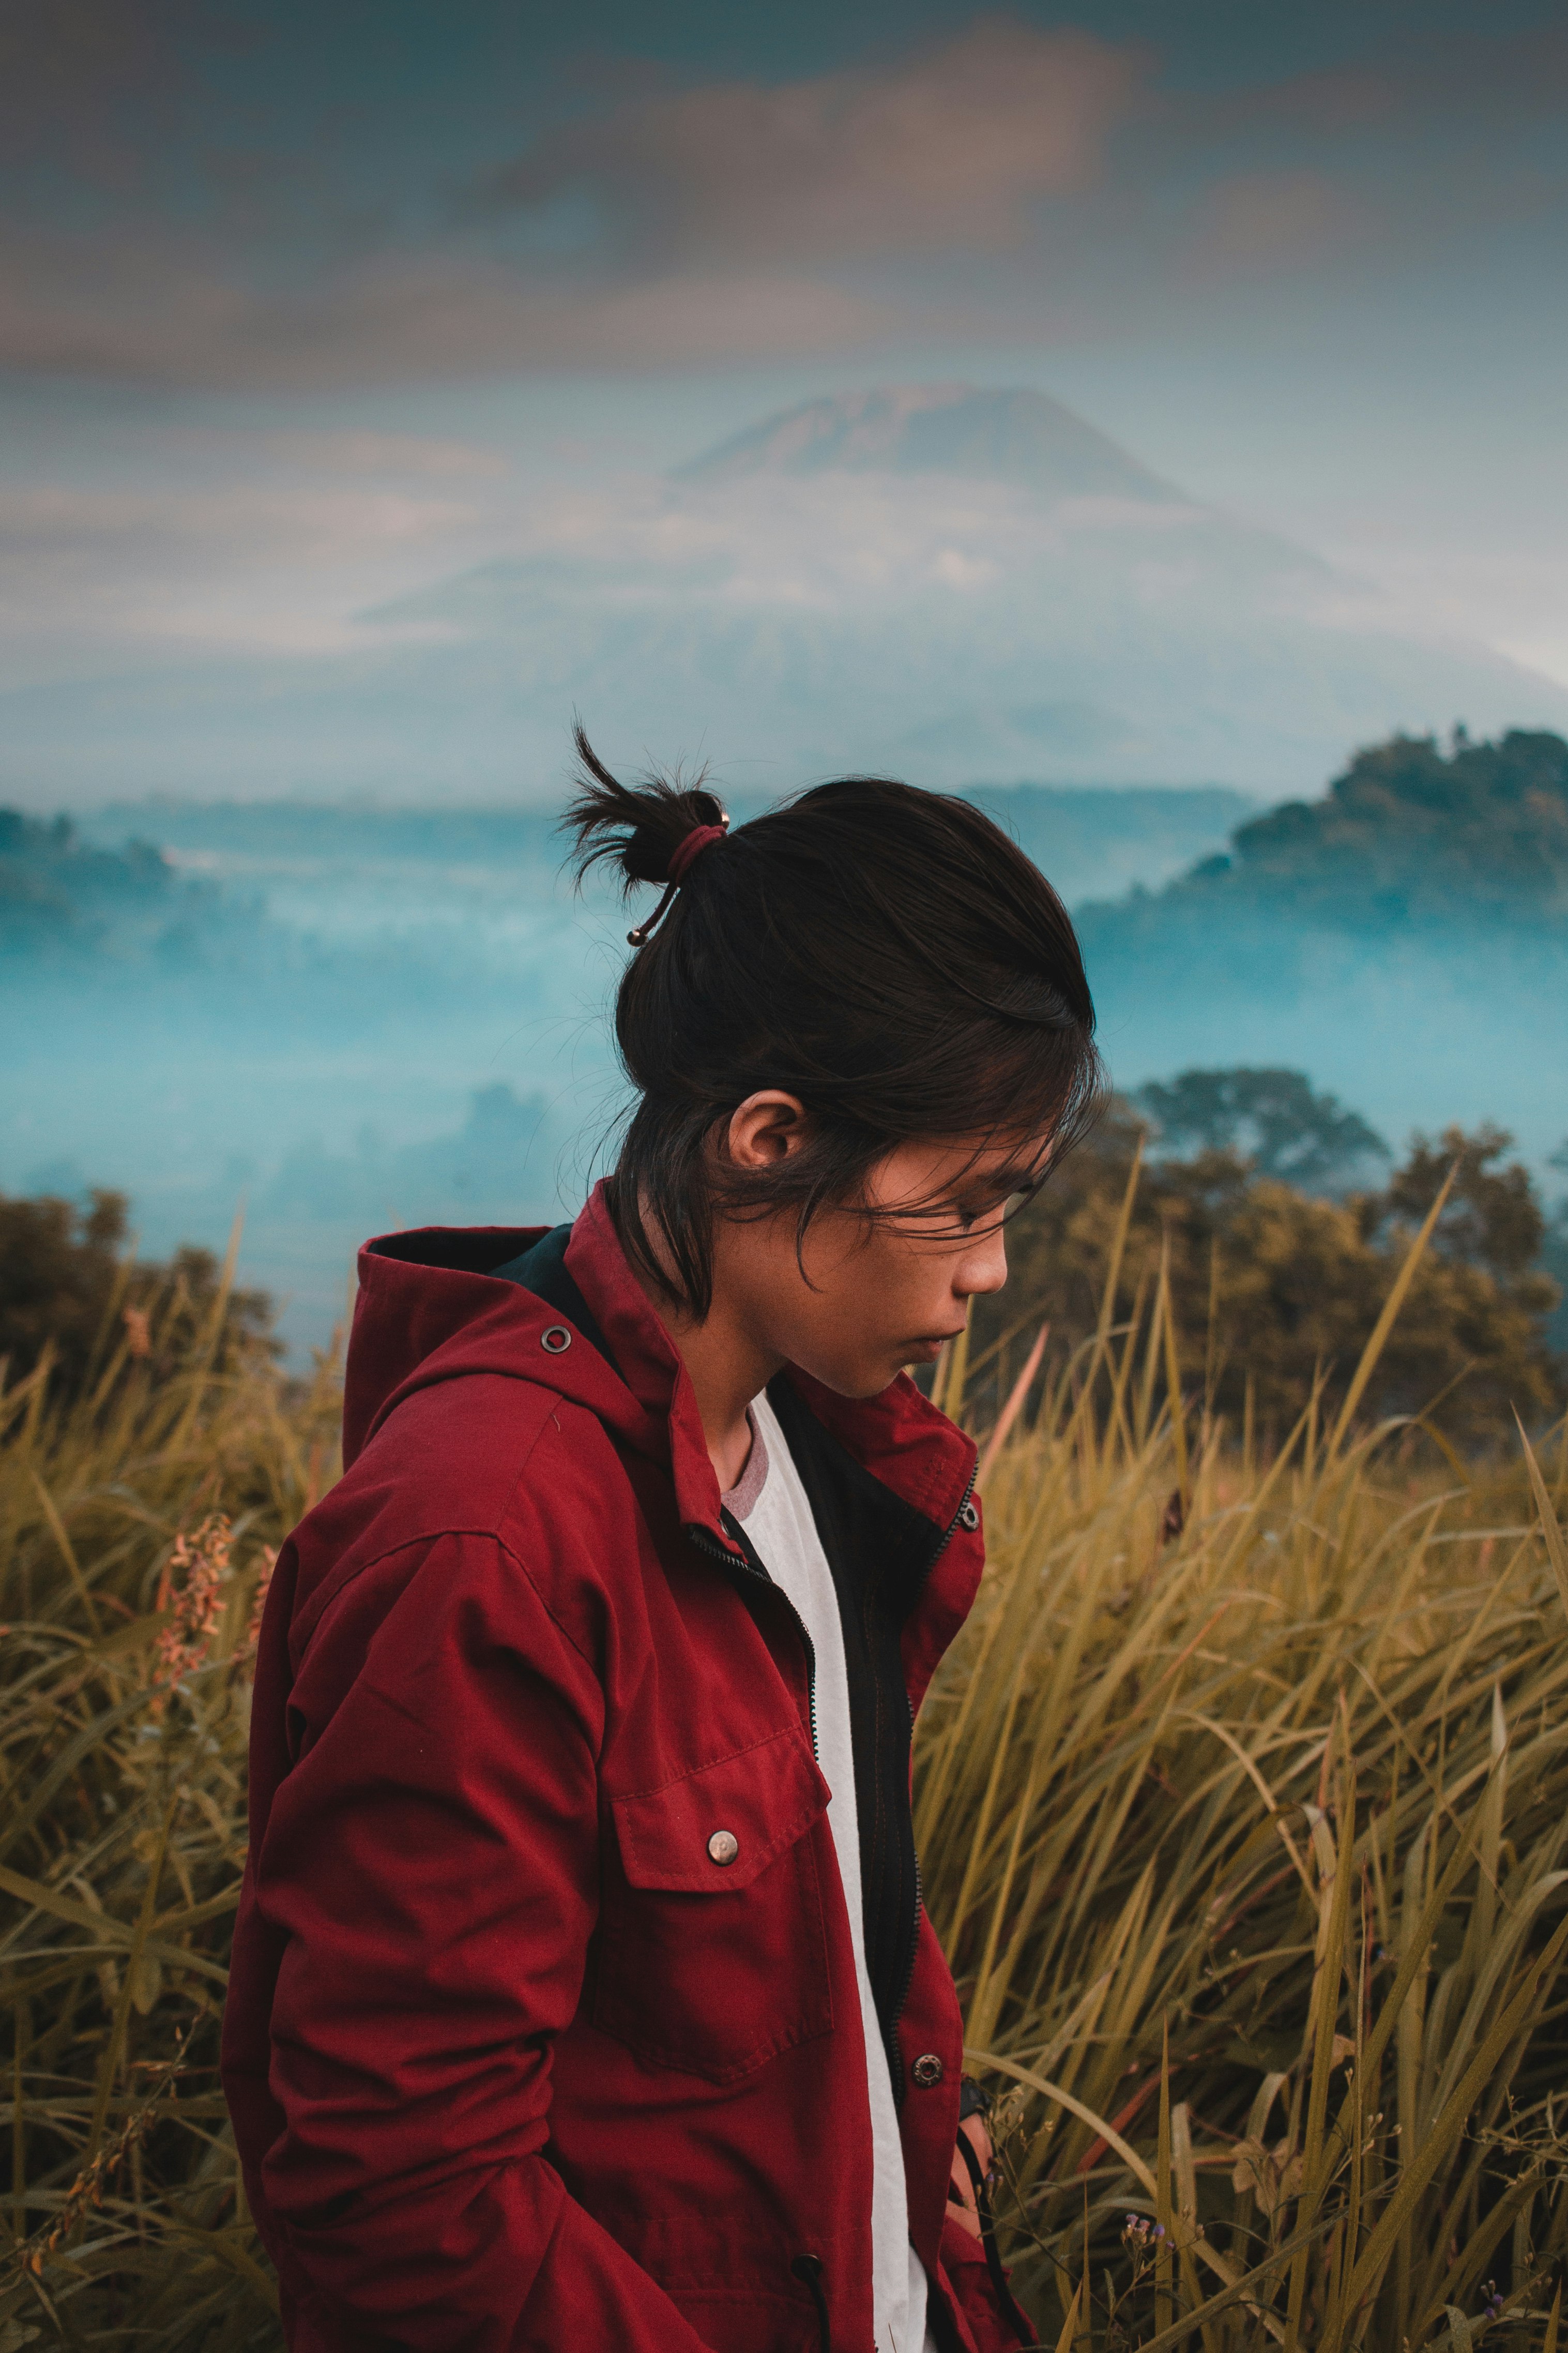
[728, 1366]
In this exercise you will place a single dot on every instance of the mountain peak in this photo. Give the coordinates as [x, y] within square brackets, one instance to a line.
[1007, 435]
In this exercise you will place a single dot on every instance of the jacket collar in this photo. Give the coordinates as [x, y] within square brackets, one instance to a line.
[430, 1309]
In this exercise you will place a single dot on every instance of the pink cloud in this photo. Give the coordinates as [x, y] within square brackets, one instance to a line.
[950, 149]
[156, 309]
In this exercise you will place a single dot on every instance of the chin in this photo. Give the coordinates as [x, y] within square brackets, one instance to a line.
[860, 1382]
[855, 1380]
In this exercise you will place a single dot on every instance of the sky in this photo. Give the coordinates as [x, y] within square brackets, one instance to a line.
[304, 307]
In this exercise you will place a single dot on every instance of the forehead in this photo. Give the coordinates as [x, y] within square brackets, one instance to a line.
[1009, 1162]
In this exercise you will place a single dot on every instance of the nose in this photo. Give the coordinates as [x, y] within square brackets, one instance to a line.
[984, 1266]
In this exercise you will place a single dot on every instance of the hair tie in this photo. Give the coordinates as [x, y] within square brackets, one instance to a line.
[696, 842]
[688, 849]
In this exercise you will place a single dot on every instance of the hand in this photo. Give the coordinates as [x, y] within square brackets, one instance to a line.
[960, 2203]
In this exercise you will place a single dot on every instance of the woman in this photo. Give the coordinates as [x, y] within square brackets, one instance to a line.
[582, 1998]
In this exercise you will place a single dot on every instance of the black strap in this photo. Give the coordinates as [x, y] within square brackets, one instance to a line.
[1004, 2297]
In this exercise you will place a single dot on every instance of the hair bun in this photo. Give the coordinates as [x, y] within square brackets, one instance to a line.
[637, 827]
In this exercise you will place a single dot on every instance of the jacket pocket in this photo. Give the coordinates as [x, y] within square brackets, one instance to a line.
[712, 1952]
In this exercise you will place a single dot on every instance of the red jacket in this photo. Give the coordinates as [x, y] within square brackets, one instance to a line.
[513, 2061]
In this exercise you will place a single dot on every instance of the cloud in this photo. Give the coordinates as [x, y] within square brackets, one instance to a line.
[727, 221]
[1500, 78]
[976, 191]
[399, 455]
[240, 544]
[149, 307]
[94, 86]
[111, 303]
[309, 526]
[950, 149]
[1263, 221]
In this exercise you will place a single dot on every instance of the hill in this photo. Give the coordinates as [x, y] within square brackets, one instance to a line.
[1408, 837]
[1405, 939]
[947, 582]
[65, 901]
[1022, 438]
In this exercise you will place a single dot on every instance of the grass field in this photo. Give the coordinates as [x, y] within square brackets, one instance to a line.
[1243, 1807]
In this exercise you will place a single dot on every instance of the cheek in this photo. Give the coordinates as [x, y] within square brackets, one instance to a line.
[907, 1286]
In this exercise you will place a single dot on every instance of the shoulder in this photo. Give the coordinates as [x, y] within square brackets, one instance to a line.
[502, 1464]
[442, 1463]
[459, 1454]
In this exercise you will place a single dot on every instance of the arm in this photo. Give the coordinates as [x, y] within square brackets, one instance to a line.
[429, 1866]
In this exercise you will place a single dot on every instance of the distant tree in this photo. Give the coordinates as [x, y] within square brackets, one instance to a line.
[61, 900]
[66, 1286]
[1272, 1119]
[1272, 1286]
[1554, 1261]
[59, 1269]
[1493, 1217]
[1414, 841]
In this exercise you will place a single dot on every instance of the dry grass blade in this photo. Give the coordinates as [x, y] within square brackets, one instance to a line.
[1551, 1532]
[1378, 1339]
[1013, 1407]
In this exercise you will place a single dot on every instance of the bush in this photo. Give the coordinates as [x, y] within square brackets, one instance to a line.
[1276, 1292]
[67, 1289]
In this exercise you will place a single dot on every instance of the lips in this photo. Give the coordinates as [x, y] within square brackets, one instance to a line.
[930, 1349]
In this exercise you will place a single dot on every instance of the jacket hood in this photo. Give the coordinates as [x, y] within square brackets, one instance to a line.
[432, 1306]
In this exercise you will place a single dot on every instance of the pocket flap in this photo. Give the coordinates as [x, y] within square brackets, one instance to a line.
[762, 1799]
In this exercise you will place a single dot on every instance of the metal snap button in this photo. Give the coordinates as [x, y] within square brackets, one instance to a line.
[723, 1847]
[970, 1518]
[928, 2070]
[555, 1340]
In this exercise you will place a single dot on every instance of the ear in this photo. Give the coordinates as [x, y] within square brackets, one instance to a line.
[766, 1129]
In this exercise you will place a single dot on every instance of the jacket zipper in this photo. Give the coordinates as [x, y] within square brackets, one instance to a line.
[732, 1560]
[895, 2059]
[705, 1543]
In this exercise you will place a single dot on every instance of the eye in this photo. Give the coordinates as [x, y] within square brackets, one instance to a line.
[995, 1209]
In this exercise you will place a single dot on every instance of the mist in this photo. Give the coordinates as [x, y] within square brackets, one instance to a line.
[331, 1022]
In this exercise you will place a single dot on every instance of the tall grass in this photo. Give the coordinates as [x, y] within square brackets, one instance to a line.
[1243, 1801]
[1244, 1806]
[136, 1529]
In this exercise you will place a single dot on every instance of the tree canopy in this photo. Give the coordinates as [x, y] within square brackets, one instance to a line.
[1275, 1288]
[1272, 1119]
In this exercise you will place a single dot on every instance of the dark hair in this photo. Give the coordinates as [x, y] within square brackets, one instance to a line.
[887, 955]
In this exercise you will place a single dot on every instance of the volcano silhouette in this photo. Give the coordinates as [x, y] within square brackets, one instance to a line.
[953, 583]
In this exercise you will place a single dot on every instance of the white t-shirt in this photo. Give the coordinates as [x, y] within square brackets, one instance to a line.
[772, 1505]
